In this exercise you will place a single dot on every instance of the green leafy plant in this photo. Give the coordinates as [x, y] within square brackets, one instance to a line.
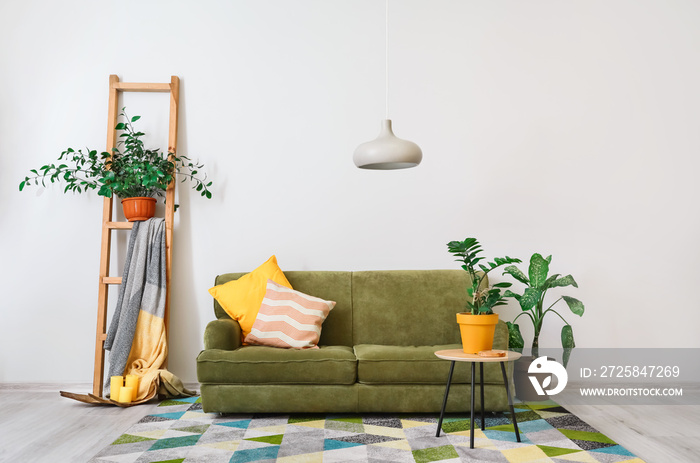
[532, 303]
[128, 172]
[483, 297]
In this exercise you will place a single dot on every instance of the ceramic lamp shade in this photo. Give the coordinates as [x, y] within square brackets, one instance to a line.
[387, 151]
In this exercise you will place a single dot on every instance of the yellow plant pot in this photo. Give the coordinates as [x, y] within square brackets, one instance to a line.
[138, 208]
[477, 331]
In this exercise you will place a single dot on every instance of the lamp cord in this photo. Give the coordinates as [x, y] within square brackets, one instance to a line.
[386, 59]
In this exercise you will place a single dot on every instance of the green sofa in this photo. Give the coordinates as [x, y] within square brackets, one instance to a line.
[376, 350]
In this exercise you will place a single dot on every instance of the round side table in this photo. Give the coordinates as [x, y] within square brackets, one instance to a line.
[457, 355]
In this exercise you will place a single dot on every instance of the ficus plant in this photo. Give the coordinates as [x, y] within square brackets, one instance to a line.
[532, 303]
[130, 170]
[483, 297]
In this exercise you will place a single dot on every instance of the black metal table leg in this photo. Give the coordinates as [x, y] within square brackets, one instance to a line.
[444, 401]
[510, 401]
[481, 388]
[471, 411]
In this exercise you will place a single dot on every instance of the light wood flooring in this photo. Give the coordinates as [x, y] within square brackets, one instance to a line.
[37, 425]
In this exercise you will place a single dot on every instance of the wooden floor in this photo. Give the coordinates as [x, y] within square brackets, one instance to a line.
[655, 433]
[37, 425]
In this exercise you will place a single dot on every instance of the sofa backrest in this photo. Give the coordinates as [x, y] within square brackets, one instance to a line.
[408, 307]
[392, 307]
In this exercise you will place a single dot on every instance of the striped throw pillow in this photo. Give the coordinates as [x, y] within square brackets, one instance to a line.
[289, 318]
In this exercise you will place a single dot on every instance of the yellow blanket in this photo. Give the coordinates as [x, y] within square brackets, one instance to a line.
[148, 353]
[136, 337]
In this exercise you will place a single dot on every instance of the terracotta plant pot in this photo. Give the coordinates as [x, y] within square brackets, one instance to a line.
[139, 208]
[477, 331]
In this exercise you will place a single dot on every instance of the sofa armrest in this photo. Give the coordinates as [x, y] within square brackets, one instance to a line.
[222, 334]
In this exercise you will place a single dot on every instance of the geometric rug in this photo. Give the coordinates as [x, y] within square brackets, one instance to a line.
[179, 432]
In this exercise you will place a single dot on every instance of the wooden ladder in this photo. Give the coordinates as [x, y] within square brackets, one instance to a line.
[115, 86]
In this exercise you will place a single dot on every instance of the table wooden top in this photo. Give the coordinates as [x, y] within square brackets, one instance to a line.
[458, 355]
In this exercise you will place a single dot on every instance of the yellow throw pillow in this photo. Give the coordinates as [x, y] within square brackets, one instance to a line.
[242, 298]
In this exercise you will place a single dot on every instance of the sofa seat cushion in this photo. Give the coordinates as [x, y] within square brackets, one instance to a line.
[272, 365]
[380, 364]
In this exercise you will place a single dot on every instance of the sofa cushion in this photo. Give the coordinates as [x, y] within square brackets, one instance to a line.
[271, 365]
[378, 364]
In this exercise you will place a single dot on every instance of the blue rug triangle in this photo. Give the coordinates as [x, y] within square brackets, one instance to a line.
[615, 450]
[262, 453]
[188, 399]
[243, 424]
[175, 442]
[170, 416]
[332, 444]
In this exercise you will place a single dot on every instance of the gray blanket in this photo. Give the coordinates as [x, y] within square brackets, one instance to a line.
[143, 288]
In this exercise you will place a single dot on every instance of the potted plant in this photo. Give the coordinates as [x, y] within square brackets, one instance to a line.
[134, 174]
[478, 324]
[532, 303]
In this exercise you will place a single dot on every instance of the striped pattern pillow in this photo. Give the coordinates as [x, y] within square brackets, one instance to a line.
[288, 318]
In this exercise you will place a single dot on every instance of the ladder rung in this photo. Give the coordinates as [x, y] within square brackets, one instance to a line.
[111, 280]
[120, 225]
[136, 87]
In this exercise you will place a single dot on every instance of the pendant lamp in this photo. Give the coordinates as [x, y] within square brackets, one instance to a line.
[387, 151]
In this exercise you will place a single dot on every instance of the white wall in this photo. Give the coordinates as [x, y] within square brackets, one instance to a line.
[565, 128]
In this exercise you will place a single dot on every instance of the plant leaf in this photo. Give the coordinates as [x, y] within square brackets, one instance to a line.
[515, 339]
[516, 273]
[539, 268]
[567, 337]
[565, 357]
[548, 283]
[574, 304]
[530, 298]
[568, 280]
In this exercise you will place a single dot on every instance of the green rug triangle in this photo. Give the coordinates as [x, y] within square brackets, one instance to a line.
[455, 418]
[274, 440]
[456, 426]
[502, 427]
[194, 429]
[556, 451]
[585, 435]
[541, 405]
[305, 419]
[130, 439]
[446, 452]
[168, 403]
[178, 460]
[526, 416]
[357, 419]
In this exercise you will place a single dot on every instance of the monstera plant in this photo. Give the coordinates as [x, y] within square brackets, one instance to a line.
[532, 303]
